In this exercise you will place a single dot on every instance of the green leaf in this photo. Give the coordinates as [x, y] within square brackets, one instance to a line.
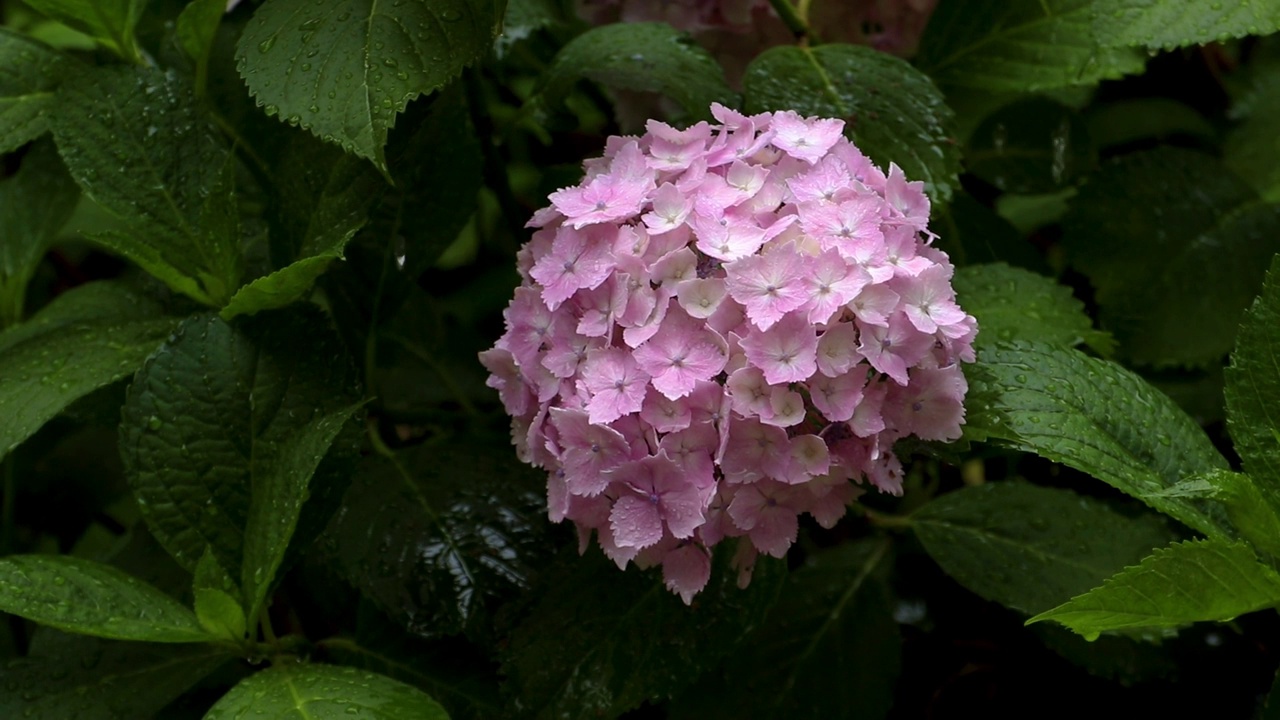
[1183, 583]
[137, 145]
[30, 75]
[1251, 512]
[90, 598]
[1029, 213]
[1253, 389]
[343, 69]
[599, 641]
[110, 22]
[1172, 241]
[477, 518]
[280, 489]
[1096, 417]
[648, 57]
[217, 601]
[87, 338]
[1252, 148]
[1035, 145]
[75, 676]
[1028, 547]
[324, 692]
[34, 205]
[224, 414]
[197, 28]
[282, 287]
[1152, 118]
[830, 646]
[1019, 45]
[220, 614]
[1015, 304]
[892, 111]
[324, 198]
[524, 17]
[1167, 24]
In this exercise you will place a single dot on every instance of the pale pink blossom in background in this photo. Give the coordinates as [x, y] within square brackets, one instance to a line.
[722, 329]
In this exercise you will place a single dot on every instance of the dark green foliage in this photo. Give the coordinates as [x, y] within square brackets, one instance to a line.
[598, 643]
[650, 57]
[437, 536]
[249, 456]
[1175, 246]
[1031, 548]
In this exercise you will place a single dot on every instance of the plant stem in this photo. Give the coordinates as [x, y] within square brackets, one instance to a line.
[884, 520]
[794, 19]
[264, 621]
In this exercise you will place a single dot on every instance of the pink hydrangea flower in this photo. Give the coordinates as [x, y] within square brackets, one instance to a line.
[722, 329]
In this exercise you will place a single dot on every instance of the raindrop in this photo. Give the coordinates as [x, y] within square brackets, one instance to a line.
[266, 45]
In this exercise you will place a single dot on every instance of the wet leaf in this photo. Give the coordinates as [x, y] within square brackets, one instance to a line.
[1015, 304]
[344, 69]
[1097, 417]
[525, 17]
[1167, 24]
[87, 338]
[217, 600]
[1019, 45]
[1253, 390]
[136, 143]
[34, 205]
[90, 598]
[1176, 247]
[436, 535]
[892, 111]
[33, 72]
[197, 29]
[81, 677]
[324, 692]
[1251, 148]
[1186, 582]
[110, 22]
[649, 57]
[1031, 548]
[226, 428]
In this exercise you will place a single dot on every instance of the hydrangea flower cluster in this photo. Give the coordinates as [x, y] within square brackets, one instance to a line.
[718, 329]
